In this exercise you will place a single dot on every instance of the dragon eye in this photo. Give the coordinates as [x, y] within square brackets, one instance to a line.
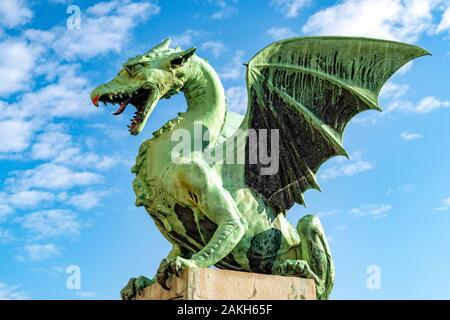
[130, 71]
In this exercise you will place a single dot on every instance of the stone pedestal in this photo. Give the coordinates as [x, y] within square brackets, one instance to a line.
[215, 284]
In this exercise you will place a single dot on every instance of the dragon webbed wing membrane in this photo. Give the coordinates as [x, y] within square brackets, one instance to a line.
[309, 89]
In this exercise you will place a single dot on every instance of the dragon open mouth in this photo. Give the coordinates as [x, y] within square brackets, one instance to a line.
[142, 99]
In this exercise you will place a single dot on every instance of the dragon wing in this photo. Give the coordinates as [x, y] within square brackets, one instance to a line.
[309, 88]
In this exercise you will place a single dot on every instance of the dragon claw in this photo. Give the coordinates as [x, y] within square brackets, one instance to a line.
[141, 283]
[165, 286]
[173, 266]
[135, 286]
[163, 274]
[129, 291]
[162, 283]
[176, 267]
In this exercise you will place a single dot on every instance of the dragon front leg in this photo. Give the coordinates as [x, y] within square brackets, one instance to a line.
[168, 265]
[136, 286]
[195, 184]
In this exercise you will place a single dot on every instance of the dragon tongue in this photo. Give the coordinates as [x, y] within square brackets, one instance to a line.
[95, 100]
[121, 108]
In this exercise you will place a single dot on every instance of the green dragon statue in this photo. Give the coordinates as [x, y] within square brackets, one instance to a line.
[232, 215]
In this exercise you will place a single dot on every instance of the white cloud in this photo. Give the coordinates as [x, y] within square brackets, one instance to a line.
[234, 69]
[49, 144]
[355, 165]
[445, 205]
[444, 25]
[11, 292]
[86, 294]
[191, 37]
[67, 97]
[14, 13]
[29, 198]
[186, 38]
[5, 236]
[429, 104]
[64, 97]
[31, 65]
[17, 60]
[60, 1]
[237, 99]
[375, 211]
[402, 190]
[216, 48]
[32, 198]
[58, 146]
[341, 228]
[52, 176]
[5, 209]
[290, 8]
[363, 120]
[40, 251]
[399, 105]
[39, 37]
[103, 8]
[323, 214]
[410, 136]
[105, 27]
[15, 135]
[87, 200]
[404, 20]
[74, 156]
[51, 223]
[226, 8]
[393, 90]
[112, 132]
[278, 33]
[426, 105]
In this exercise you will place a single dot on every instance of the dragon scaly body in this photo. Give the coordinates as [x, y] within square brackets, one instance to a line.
[218, 210]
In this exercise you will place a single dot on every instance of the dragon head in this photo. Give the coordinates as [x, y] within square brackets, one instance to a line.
[143, 81]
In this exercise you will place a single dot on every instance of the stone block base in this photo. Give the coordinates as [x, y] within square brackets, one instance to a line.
[215, 284]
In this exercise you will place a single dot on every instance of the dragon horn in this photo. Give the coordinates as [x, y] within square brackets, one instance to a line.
[163, 45]
[181, 57]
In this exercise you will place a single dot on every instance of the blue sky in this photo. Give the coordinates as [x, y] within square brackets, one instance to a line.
[65, 181]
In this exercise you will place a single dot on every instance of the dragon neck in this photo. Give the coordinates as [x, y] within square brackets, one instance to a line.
[205, 98]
